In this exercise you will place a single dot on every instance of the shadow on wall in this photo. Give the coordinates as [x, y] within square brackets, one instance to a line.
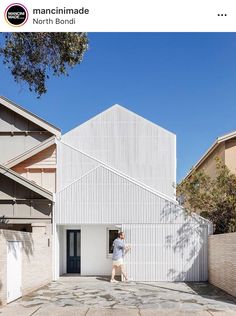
[24, 237]
[188, 241]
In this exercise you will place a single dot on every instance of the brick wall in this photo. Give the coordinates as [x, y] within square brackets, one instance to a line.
[222, 261]
[36, 258]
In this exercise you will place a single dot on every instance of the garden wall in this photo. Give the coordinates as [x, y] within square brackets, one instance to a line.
[222, 262]
[36, 258]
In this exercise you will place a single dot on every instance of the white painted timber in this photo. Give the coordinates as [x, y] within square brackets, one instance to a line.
[103, 196]
[129, 143]
[167, 252]
[119, 169]
[167, 243]
[79, 164]
[71, 164]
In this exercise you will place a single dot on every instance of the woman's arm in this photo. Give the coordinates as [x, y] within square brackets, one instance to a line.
[127, 248]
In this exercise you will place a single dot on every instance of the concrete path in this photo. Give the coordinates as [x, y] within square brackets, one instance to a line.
[96, 296]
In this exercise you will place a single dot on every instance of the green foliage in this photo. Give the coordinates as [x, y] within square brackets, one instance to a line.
[32, 57]
[214, 199]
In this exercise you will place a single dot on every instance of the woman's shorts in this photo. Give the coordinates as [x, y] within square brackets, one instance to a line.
[118, 262]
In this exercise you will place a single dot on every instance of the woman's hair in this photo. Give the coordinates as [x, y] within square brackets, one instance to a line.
[119, 234]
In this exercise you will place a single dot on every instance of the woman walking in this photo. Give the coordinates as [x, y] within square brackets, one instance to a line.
[119, 250]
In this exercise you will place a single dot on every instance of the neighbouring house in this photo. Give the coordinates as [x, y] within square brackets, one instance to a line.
[221, 247]
[27, 167]
[117, 172]
[224, 148]
[27, 186]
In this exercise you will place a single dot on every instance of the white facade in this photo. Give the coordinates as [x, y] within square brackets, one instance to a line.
[95, 259]
[118, 169]
[167, 252]
[129, 143]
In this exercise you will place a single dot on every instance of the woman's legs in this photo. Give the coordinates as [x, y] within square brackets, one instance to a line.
[122, 268]
[113, 272]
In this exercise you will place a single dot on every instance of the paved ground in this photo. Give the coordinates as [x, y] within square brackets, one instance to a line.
[96, 296]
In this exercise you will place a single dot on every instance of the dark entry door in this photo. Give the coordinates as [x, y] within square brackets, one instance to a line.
[73, 251]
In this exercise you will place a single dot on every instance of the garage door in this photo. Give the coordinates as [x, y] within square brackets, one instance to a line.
[167, 252]
[14, 271]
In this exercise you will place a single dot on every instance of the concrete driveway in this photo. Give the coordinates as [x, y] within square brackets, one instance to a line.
[96, 296]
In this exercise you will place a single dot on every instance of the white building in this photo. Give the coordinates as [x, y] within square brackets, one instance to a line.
[117, 171]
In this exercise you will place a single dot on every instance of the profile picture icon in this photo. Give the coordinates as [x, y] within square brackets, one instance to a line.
[16, 14]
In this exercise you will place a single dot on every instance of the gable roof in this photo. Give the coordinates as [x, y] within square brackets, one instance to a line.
[31, 152]
[122, 139]
[116, 196]
[100, 163]
[30, 116]
[26, 183]
[217, 142]
[121, 109]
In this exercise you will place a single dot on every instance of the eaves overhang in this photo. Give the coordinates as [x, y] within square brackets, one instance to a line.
[30, 116]
[26, 183]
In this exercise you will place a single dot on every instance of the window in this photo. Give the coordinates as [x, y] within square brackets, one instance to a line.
[112, 235]
[71, 244]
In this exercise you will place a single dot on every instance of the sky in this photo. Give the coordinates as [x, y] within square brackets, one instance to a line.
[184, 82]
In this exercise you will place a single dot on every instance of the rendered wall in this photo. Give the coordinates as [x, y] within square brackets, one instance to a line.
[36, 258]
[209, 165]
[230, 155]
[222, 261]
[94, 257]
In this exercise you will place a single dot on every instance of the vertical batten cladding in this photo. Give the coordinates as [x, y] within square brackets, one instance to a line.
[102, 196]
[131, 144]
[161, 252]
[72, 165]
[167, 244]
[111, 171]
